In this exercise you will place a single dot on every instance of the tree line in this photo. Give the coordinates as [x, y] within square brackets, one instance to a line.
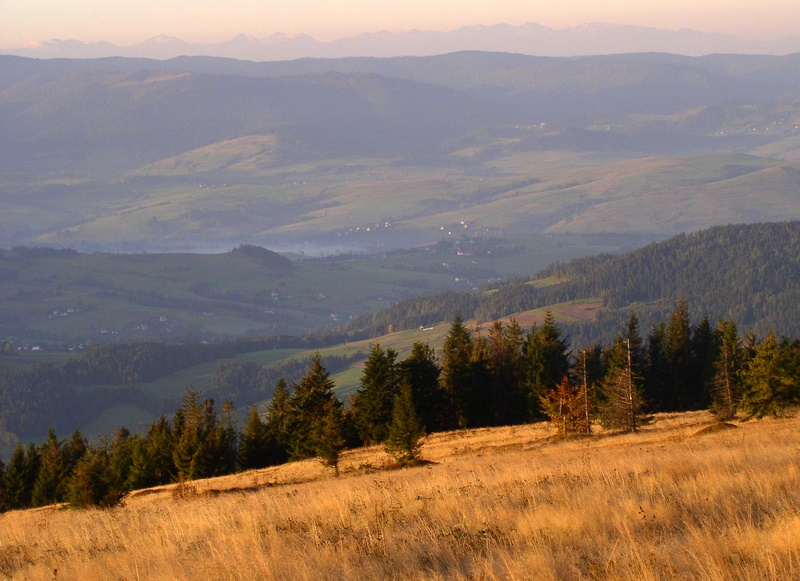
[501, 376]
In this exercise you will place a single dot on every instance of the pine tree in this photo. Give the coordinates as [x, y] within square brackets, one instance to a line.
[421, 370]
[17, 491]
[623, 403]
[702, 349]
[308, 407]
[546, 361]
[375, 397]
[277, 424]
[330, 438]
[657, 382]
[196, 452]
[253, 451]
[92, 482]
[677, 348]
[456, 379]
[160, 449]
[405, 432]
[726, 382]
[771, 379]
[226, 441]
[508, 403]
[50, 485]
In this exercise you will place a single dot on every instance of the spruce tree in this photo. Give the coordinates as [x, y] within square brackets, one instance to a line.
[15, 481]
[92, 483]
[726, 384]
[277, 424]
[226, 441]
[141, 473]
[160, 448]
[33, 463]
[308, 407]
[479, 397]
[656, 372]
[185, 427]
[421, 370]
[253, 448]
[771, 379]
[196, 451]
[623, 404]
[677, 349]
[120, 457]
[546, 361]
[51, 480]
[703, 349]
[456, 377]
[405, 432]
[375, 397]
[508, 398]
[73, 449]
[20, 476]
[330, 440]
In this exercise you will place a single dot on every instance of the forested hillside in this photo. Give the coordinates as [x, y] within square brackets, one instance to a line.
[747, 273]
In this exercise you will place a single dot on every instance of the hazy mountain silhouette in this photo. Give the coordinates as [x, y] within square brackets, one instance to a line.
[530, 39]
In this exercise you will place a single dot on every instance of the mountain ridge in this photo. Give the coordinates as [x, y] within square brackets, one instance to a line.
[529, 38]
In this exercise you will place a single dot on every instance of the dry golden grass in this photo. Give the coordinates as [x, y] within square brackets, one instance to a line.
[509, 503]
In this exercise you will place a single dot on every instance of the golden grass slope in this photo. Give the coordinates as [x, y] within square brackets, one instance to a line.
[507, 503]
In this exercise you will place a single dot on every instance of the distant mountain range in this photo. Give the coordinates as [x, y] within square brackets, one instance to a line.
[529, 39]
[118, 114]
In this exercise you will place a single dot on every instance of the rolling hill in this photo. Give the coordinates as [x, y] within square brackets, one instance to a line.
[135, 154]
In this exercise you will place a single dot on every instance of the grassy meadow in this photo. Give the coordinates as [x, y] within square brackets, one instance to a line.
[678, 500]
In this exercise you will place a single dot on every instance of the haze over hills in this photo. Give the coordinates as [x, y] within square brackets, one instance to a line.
[530, 39]
[201, 153]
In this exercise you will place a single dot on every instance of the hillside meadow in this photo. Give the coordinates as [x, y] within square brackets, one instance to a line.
[680, 499]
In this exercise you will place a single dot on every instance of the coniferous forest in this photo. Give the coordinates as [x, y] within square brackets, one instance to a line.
[501, 376]
[748, 273]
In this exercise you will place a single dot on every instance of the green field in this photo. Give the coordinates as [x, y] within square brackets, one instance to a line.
[376, 204]
[70, 298]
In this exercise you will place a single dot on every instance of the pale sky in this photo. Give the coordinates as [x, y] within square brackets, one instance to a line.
[127, 22]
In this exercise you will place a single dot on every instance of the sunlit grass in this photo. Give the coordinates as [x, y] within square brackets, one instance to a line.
[508, 503]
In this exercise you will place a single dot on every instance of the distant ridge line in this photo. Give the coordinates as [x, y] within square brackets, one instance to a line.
[529, 39]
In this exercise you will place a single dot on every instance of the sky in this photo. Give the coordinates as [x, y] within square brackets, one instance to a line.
[127, 22]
